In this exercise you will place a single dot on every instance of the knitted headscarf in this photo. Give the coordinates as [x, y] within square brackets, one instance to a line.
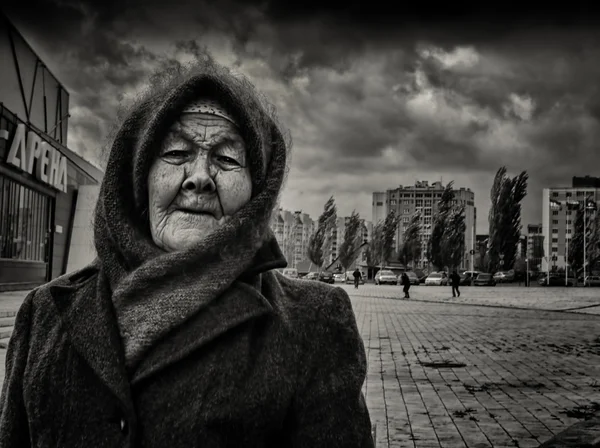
[154, 291]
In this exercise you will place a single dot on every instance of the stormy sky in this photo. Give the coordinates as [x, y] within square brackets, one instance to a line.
[373, 97]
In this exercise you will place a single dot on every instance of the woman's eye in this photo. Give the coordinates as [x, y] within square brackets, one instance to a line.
[228, 160]
[175, 153]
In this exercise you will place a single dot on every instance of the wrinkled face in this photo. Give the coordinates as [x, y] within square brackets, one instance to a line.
[199, 179]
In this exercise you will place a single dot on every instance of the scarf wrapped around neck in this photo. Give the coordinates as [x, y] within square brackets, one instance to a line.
[155, 291]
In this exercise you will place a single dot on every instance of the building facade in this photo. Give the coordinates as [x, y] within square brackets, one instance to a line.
[535, 246]
[423, 197]
[337, 238]
[39, 175]
[292, 231]
[558, 218]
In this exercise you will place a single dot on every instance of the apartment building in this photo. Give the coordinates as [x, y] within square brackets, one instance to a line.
[338, 233]
[558, 218]
[293, 231]
[423, 197]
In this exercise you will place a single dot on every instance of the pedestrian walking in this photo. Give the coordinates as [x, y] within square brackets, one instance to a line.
[455, 281]
[405, 281]
[357, 276]
[182, 332]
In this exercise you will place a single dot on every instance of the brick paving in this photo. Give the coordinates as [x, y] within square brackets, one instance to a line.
[476, 371]
[519, 376]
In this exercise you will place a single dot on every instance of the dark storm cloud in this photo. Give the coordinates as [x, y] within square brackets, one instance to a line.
[365, 91]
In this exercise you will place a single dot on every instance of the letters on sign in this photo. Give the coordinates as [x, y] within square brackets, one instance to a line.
[51, 166]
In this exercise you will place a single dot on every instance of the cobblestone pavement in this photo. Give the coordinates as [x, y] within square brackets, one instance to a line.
[446, 375]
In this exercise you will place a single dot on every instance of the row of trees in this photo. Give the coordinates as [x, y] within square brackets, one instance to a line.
[588, 222]
[320, 243]
[446, 246]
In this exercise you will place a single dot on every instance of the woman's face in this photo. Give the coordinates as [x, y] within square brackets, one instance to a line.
[199, 179]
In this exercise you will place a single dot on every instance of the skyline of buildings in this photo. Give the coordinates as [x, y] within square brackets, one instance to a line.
[423, 197]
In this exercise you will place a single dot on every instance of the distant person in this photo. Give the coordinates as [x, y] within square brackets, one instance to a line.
[455, 282]
[357, 276]
[405, 281]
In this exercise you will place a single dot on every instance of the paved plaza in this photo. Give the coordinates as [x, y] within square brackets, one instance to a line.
[497, 367]
[459, 375]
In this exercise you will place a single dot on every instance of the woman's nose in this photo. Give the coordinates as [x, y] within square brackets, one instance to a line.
[198, 178]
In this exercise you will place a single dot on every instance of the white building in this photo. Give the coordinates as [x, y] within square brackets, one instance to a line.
[407, 200]
[293, 231]
[558, 221]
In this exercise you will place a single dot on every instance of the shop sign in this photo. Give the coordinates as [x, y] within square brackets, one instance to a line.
[51, 166]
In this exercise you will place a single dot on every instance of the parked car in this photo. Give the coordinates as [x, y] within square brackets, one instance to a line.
[556, 280]
[311, 276]
[350, 278]
[590, 280]
[290, 272]
[437, 279]
[385, 277]
[422, 275]
[327, 277]
[467, 276]
[504, 276]
[412, 278]
[339, 277]
[484, 279]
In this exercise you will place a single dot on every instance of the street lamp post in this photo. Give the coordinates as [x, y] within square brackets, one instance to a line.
[589, 205]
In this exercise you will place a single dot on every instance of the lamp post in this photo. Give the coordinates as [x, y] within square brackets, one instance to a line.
[589, 205]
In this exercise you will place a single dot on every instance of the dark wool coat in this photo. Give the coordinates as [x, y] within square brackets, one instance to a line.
[275, 362]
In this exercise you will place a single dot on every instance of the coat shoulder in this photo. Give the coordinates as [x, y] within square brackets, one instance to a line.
[70, 280]
[314, 302]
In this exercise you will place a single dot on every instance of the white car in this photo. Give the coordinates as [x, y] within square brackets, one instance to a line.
[290, 272]
[339, 278]
[436, 279]
[386, 277]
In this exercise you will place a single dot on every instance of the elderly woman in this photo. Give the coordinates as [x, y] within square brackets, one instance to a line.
[182, 333]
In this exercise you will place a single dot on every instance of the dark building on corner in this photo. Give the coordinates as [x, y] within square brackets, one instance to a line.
[39, 175]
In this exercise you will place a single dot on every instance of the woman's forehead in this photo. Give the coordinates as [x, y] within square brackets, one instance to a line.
[206, 129]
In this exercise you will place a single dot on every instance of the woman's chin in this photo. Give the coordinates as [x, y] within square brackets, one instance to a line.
[184, 239]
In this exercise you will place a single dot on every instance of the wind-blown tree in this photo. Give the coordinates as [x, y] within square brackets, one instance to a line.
[453, 239]
[319, 242]
[411, 242]
[505, 218]
[390, 224]
[435, 248]
[576, 244]
[592, 240]
[374, 250]
[352, 241]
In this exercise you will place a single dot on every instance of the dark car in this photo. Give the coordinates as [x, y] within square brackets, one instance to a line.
[467, 276]
[484, 279]
[556, 280]
[327, 277]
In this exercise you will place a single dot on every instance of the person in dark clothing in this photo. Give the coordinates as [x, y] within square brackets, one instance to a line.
[357, 276]
[455, 282]
[406, 283]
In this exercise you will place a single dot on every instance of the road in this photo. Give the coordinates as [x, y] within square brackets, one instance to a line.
[445, 373]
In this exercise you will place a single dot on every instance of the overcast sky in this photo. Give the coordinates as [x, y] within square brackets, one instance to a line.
[372, 99]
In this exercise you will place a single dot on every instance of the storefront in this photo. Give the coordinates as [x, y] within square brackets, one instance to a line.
[39, 175]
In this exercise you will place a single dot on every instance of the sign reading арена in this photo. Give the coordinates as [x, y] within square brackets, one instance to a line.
[51, 166]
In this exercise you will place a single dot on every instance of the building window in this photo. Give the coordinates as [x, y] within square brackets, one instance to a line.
[554, 230]
[569, 213]
[555, 212]
[555, 194]
[555, 221]
[555, 249]
[419, 203]
[406, 219]
[569, 222]
[24, 222]
[555, 240]
[427, 212]
[580, 193]
[568, 194]
[392, 201]
[407, 210]
[428, 202]
[380, 203]
[569, 231]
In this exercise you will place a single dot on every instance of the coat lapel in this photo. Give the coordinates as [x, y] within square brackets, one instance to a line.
[88, 316]
[240, 303]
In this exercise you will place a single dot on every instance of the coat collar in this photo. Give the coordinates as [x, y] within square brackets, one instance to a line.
[88, 314]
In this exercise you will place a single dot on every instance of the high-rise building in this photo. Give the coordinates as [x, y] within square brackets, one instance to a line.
[422, 197]
[558, 217]
[292, 231]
